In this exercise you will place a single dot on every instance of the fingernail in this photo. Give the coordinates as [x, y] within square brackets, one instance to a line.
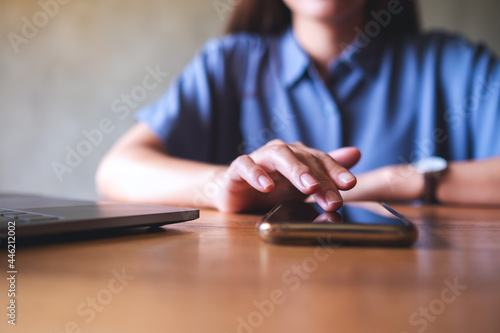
[332, 197]
[264, 181]
[308, 180]
[346, 177]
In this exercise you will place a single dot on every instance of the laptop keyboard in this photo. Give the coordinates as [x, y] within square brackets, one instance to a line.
[9, 215]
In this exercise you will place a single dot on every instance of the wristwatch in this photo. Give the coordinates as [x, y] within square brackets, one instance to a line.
[432, 168]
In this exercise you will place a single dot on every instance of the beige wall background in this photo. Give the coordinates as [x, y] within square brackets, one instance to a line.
[65, 77]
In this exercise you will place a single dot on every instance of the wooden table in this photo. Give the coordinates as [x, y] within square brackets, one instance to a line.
[215, 275]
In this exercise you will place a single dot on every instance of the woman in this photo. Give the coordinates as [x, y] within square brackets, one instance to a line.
[260, 115]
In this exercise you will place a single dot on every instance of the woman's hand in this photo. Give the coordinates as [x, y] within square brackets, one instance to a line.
[279, 171]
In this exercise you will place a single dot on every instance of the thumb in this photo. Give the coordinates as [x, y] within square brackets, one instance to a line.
[347, 157]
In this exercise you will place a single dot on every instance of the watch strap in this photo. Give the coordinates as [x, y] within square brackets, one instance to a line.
[430, 186]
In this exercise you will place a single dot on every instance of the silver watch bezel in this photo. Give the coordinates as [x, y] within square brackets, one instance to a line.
[432, 164]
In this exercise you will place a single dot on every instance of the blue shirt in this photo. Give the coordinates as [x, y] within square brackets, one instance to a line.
[398, 99]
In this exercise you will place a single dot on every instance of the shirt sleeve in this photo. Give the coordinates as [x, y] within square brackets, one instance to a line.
[484, 105]
[472, 82]
[197, 117]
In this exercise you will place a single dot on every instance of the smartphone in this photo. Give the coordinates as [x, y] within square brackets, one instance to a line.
[367, 223]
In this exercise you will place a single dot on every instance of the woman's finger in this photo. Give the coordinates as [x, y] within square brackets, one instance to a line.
[278, 156]
[327, 196]
[347, 156]
[336, 171]
[244, 168]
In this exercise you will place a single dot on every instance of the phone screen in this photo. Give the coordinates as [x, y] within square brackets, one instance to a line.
[365, 213]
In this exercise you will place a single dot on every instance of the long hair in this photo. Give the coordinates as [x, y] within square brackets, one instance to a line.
[270, 17]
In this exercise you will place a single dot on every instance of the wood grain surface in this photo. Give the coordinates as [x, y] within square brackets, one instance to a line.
[215, 275]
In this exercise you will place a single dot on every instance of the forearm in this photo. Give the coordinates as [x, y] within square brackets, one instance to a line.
[146, 176]
[469, 182]
[390, 183]
[139, 170]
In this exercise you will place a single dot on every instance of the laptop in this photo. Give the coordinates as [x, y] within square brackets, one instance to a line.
[35, 215]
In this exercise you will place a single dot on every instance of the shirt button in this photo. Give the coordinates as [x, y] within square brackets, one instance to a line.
[329, 108]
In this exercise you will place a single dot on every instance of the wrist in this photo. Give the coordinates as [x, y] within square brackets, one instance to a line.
[403, 182]
[209, 192]
[431, 169]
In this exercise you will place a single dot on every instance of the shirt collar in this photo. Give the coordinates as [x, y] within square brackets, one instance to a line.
[294, 61]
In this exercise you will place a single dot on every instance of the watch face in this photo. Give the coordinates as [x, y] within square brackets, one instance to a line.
[431, 164]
